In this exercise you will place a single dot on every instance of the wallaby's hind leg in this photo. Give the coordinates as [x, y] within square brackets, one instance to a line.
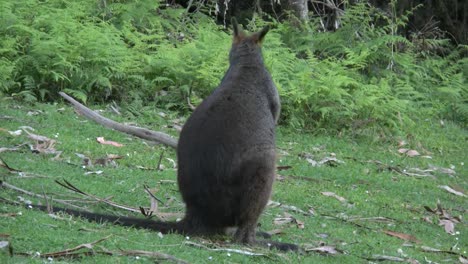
[258, 173]
[258, 176]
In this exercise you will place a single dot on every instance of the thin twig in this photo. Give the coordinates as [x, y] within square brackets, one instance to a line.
[347, 221]
[71, 187]
[159, 161]
[151, 194]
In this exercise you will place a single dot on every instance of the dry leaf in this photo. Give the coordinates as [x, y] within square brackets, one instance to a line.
[412, 153]
[283, 220]
[401, 143]
[287, 207]
[445, 219]
[408, 152]
[449, 226]
[401, 236]
[4, 244]
[330, 161]
[300, 224]
[427, 219]
[288, 218]
[402, 150]
[15, 133]
[43, 144]
[312, 162]
[450, 190]
[324, 250]
[101, 140]
[331, 194]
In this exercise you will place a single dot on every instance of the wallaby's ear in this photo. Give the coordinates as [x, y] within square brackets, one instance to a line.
[261, 34]
[238, 32]
[235, 27]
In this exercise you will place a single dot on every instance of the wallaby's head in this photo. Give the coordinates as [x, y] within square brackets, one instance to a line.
[246, 45]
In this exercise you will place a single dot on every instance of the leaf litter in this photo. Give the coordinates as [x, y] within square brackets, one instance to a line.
[43, 144]
[402, 236]
[288, 219]
[445, 219]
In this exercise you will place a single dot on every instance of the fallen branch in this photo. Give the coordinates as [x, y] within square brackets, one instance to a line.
[141, 210]
[67, 252]
[5, 165]
[131, 130]
[230, 250]
[71, 187]
[143, 253]
[435, 250]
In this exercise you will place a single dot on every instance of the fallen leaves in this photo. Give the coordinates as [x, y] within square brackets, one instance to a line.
[329, 159]
[5, 244]
[288, 219]
[445, 219]
[108, 161]
[42, 144]
[288, 207]
[409, 152]
[329, 250]
[402, 236]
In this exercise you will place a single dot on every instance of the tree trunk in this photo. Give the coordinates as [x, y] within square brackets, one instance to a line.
[299, 8]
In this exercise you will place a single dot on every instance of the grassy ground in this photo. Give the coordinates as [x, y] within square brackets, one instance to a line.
[376, 197]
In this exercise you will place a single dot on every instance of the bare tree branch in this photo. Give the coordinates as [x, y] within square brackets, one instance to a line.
[131, 130]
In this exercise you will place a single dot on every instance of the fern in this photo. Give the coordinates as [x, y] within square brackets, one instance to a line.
[138, 54]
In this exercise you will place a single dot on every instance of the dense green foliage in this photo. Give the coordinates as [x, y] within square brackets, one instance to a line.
[362, 75]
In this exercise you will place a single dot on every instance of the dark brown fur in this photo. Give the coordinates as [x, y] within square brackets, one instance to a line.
[226, 153]
[226, 149]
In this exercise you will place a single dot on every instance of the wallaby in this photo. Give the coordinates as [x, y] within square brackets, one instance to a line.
[226, 149]
[226, 152]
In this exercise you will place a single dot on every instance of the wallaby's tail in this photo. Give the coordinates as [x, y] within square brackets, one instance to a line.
[163, 227]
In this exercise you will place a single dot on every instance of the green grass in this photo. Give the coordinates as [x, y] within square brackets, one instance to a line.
[369, 192]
